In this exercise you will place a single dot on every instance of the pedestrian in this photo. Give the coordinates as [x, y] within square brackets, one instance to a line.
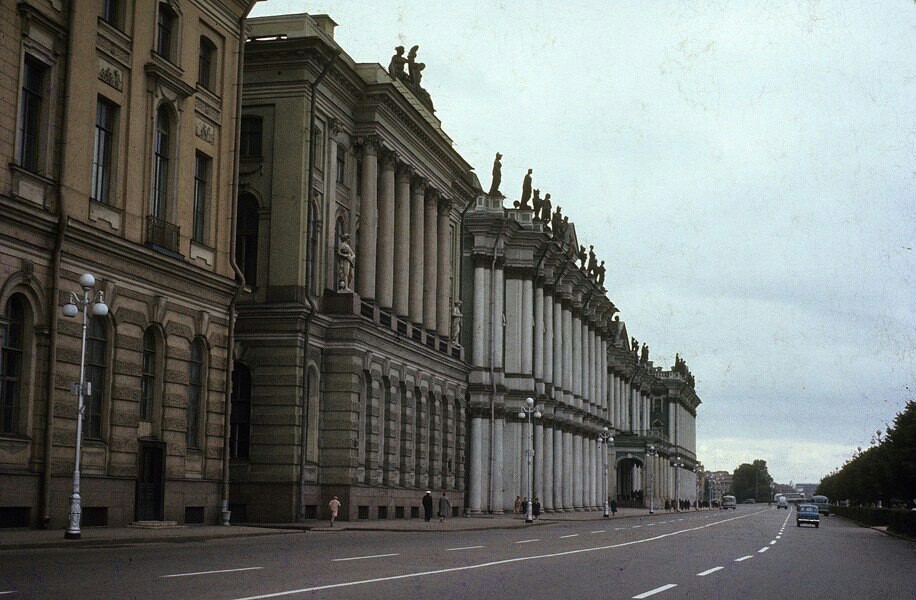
[518, 504]
[428, 506]
[445, 508]
[536, 508]
[334, 505]
[525, 507]
[613, 507]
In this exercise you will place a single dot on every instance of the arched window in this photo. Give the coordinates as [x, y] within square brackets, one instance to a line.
[166, 33]
[11, 348]
[161, 163]
[96, 368]
[148, 375]
[240, 419]
[206, 64]
[195, 393]
[246, 240]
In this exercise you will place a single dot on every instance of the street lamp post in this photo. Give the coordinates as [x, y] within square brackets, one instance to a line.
[606, 437]
[73, 307]
[527, 409]
[677, 463]
[651, 452]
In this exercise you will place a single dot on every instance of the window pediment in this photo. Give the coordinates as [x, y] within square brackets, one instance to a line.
[167, 77]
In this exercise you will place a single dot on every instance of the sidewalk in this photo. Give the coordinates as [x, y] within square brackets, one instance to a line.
[24, 539]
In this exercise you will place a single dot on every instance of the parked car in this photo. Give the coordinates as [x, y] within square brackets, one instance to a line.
[782, 502]
[729, 502]
[822, 503]
[807, 513]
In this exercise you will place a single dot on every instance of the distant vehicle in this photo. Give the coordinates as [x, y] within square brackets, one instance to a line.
[822, 504]
[729, 502]
[750, 501]
[781, 502]
[807, 513]
[794, 497]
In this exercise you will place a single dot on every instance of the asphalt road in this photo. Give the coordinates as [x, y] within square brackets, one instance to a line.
[753, 552]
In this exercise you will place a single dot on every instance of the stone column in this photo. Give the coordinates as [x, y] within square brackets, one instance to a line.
[568, 470]
[408, 423]
[496, 505]
[444, 281]
[538, 467]
[557, 467]
[567, 355]
[476, 475]
[576, 380]
[548, 338]
[402, 227]
[384, 269]
[527, 324]
[368, 222]
[539, 333]
[391, 436]
[417, 259]
[548, 478]
[421, 444]
[430, 260]
[588, 351]
[480, 322]
[593, 369]
[558, 359]
[576, 441]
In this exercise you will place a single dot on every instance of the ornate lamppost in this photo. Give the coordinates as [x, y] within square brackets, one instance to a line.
[677, 463]
[652, 453]
[527, 409]
[73, 307]
[606, 437]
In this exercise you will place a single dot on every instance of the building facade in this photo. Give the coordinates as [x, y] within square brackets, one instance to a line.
[117, 137]
[349, 380]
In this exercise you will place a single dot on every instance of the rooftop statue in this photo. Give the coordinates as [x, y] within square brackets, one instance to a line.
[412, 65]
[545, 209]
[644, 358]
[346, 260]
[599, 273]
[396, 66]
[497, 177]
[557, 220]
[582, 256]
[526, 191]
[635, 343]
[592, 261]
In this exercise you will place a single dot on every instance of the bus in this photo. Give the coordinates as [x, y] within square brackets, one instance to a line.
[822, 503]
[793, 497]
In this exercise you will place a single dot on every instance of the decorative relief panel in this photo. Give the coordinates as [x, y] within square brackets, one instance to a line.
[204, 131]
[111, 75]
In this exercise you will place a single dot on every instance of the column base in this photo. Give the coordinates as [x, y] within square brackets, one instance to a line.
[71, 535]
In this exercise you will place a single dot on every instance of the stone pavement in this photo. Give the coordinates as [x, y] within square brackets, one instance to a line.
[22, 539]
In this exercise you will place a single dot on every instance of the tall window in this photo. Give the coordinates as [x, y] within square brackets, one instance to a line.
[161, 158]
[313, 236]
[33, 78]
[104, 145]
[202, 166]
[246, 239]
[206, 67]
[318, 148]
[11, 336]
[240, 419]
[148, 375]
[341, 164]
[96, 354]
[252, 132]
[195, 387]
[111, 12]
[165, 36]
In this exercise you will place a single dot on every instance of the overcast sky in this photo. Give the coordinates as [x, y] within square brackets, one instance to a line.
[746, 169]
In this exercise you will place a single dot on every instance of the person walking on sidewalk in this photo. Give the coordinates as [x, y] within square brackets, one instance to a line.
[613, 507]
[536, 508]
[518, 505]
[334, 505]
[445, 508]
[428, 506]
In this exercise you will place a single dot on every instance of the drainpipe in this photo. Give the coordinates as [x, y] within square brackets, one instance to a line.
[62, 222]
[239, 276]
[304, 439]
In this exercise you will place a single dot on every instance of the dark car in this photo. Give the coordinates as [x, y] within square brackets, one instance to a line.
[807, 513]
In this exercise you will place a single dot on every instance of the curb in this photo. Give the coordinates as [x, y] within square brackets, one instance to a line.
[132, 541]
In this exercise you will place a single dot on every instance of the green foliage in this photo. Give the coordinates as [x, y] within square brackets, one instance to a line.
[897, 520]
[884, 472]
[752, 481]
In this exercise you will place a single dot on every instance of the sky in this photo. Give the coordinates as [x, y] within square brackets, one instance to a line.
[746, 169]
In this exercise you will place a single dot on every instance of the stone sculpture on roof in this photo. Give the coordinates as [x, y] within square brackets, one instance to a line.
[396, 66]
[414, 75]
[599, 273]
[545, 209]
[582, 256]
[526, 191]
[536, 204]
[497, 177]
[644, 358]
[592, 261]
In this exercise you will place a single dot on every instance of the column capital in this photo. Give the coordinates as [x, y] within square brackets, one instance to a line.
[445, 205]
[432, 196]
[369, 144]
[335, 127]
[418, 183]
[404, 173]
[389, 159]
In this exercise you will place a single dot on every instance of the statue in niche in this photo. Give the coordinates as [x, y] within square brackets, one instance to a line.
[644, 358]
[396, 66]
[537, 203]
[456, 322]
[412, 65]
[526, 191]
[599, 273]
[497, 177]
[346, 259]
[545, 209]
[592, 261]
[582, 256]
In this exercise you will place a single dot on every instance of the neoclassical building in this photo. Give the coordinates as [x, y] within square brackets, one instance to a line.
[349, 379]
[117, 140]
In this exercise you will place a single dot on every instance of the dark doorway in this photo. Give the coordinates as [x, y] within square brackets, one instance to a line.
[150, 478]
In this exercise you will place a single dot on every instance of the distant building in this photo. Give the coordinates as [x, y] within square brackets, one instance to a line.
[808, 489]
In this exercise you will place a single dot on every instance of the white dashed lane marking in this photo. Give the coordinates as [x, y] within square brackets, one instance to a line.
[773, 542]
[764, 549]
[463, 548]
[528, 541]
[655, 591]
[743, 558]
[210, 572]
[709, 571]
[365, 557]
[599, 531]
[563, 537]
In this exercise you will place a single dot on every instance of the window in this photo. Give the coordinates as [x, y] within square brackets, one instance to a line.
[202, 165]
[148, 375]
[195, 387]
[341, 164]
[250, 142]
[33, 78]
[246, 239]
[314, 235]
[161, 157]
[96, 361]
[318, 148]
[111, 12]
[165, 38]
[240, 419]
[206, 67]
[11, 336]
[104, 143]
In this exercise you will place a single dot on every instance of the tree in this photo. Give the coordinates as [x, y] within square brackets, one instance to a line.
[752, 481]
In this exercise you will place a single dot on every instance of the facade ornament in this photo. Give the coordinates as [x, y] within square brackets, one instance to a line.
[545, 209]
[456, 322]
[526, 192]
[346, 259]
[396, 66]
[497, 177]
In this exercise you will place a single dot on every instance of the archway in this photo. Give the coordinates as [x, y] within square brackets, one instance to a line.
[629, 482]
